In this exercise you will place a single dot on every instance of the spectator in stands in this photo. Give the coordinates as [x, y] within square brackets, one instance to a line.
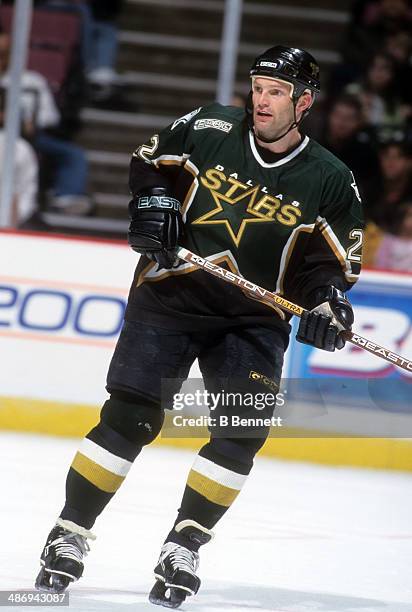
[396, 167]
[40, 117]
[393, 250]
[364, 12]
[25, 177]
[102, 51]
[399, 46]
[344, 137]
[379, 94]
[372, 22]
[99, 41]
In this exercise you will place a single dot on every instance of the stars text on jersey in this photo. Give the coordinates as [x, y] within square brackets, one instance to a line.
[253, 202]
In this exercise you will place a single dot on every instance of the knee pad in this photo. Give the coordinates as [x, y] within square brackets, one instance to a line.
[136, 418]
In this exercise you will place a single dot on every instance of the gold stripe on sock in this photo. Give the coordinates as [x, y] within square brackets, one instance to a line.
[212, 490]
[96, 474]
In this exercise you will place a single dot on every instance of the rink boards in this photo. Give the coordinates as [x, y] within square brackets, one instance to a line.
[61, 308]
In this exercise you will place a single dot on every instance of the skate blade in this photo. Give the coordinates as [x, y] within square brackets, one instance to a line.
[51, 583]
[161, 595]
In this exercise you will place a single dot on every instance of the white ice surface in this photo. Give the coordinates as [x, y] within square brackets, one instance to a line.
[300, 538]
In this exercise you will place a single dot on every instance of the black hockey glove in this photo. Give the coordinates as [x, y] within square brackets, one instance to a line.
[156, 226]
[322, 325]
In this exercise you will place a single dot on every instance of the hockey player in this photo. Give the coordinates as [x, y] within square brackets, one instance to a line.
[249, 191]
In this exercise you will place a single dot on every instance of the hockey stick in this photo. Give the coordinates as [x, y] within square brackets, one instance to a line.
[272, 298]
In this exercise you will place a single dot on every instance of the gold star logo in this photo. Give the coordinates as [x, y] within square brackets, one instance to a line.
[224, 209]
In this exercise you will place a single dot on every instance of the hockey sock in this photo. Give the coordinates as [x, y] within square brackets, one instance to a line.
[213, 484]
[97, 471]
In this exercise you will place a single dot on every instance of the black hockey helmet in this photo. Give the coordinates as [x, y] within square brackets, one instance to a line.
[295, 66]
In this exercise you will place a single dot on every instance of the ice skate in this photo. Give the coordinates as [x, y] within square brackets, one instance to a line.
[176, 569]
[62, 556]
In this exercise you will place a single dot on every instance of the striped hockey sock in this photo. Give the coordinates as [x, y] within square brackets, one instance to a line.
[97, 471]
[213, 484]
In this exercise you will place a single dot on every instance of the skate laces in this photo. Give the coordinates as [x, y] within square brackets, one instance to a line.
[71, 545]
[182, 558]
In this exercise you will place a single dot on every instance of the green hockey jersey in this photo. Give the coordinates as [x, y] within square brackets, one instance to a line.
[290, 223]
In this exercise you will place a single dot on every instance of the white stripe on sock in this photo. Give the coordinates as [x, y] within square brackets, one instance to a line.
[219, 474]
[104, 458]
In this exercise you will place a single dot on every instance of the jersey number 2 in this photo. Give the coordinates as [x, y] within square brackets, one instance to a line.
[147, 150]
[357, 235]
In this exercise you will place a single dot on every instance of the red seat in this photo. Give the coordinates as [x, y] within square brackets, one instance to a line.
[53, 64]
[55, 29]
[50, 28]
[54, 37]
[6, 16]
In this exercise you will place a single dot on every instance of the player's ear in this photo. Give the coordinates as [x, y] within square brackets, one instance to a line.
[304, 103]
